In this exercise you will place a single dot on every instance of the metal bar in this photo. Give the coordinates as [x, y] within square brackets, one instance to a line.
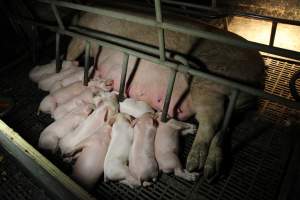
[57, 52]
[54, 188]
[232, 101]
[86, 62]
[213, 3]
[273, 33]
[161, 38]
[172, 65]
[195, 6]
[123, 76]
[218, 37]
[57, 16]
[225, 22]
[171, 82]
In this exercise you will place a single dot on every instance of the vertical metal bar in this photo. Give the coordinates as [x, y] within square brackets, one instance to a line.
[168, 95]
[161, 37]
[57, 52]
[228, 114]
[273, 33]
[123, 76]
[225, 23]
[57, 16]
[86, 62]
[214, 3]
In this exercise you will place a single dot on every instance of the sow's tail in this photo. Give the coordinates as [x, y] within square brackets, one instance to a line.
[75, 48]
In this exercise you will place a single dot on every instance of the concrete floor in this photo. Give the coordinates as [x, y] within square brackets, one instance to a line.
[287, 36]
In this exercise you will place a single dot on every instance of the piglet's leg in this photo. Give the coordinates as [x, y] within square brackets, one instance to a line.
[183, 173]
[130, 181]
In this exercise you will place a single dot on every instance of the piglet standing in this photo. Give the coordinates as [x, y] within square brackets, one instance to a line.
[89, 165]
[167, 148]
[51, 135]
[142, 162]
[116, 159]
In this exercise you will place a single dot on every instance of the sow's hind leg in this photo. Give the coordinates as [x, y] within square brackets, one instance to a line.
[206, 152]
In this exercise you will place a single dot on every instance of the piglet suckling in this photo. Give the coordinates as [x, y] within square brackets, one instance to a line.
[142, 162]
[42, 71]
[96, 119]
[45, 83]
[135, 108]
[51, 135]
[167, 147]
[116, 159]
[89, 165]
[62, 95]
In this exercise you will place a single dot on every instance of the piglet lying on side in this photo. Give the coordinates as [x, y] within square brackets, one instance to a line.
[69, 79]
[51, 135]
[50, 102]
[39, 72]
[46, 82]
[142, 162]
[116, 159]
[135, 108]
[89, 165]
[167, 148]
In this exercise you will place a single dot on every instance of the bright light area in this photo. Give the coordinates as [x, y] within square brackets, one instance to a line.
[287, 36]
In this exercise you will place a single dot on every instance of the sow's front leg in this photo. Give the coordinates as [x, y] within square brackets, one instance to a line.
[206, 152]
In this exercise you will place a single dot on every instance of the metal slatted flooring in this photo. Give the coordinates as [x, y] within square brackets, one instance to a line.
[258, 149]
[15, 185]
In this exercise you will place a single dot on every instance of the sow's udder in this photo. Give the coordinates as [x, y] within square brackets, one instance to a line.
[149, 84]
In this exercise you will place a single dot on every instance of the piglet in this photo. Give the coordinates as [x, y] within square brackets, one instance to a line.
[135, 108]
[116, 159]
[167, 147]
[39, 72]
[46, 83]
[89, 165]
[50, 102]
[71, 78]
[51, 135]
[86, 96]
[84, 130]
[142, 162]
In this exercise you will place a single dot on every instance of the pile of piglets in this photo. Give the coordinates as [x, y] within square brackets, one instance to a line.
[125, 141]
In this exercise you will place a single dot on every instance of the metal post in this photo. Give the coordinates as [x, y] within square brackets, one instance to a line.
[225, 23]
[273, 32]
[57, 52]
[161, 37]
[228, 114]
[168, 95]
[123, 76]
[57, 16]
[214, 3]
[86, 62]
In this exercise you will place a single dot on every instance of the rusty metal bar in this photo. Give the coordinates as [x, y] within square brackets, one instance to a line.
[86, 62]
[273, 33]
[172, 65]
[57, 52]
[123, 76]
[57, 16]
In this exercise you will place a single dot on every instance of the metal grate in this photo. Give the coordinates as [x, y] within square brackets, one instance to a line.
[14, 185]
[277, 80]
[258, 150]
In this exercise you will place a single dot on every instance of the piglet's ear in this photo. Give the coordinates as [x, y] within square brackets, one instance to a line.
[133, 123]
[112, 120]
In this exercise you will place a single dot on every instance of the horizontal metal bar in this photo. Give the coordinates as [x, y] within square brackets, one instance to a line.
[175, 66]
[198, 33]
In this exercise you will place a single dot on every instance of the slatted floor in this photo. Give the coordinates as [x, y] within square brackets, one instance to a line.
[258, 150]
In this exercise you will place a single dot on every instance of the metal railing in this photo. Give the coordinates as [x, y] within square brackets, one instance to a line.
[146, 51]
